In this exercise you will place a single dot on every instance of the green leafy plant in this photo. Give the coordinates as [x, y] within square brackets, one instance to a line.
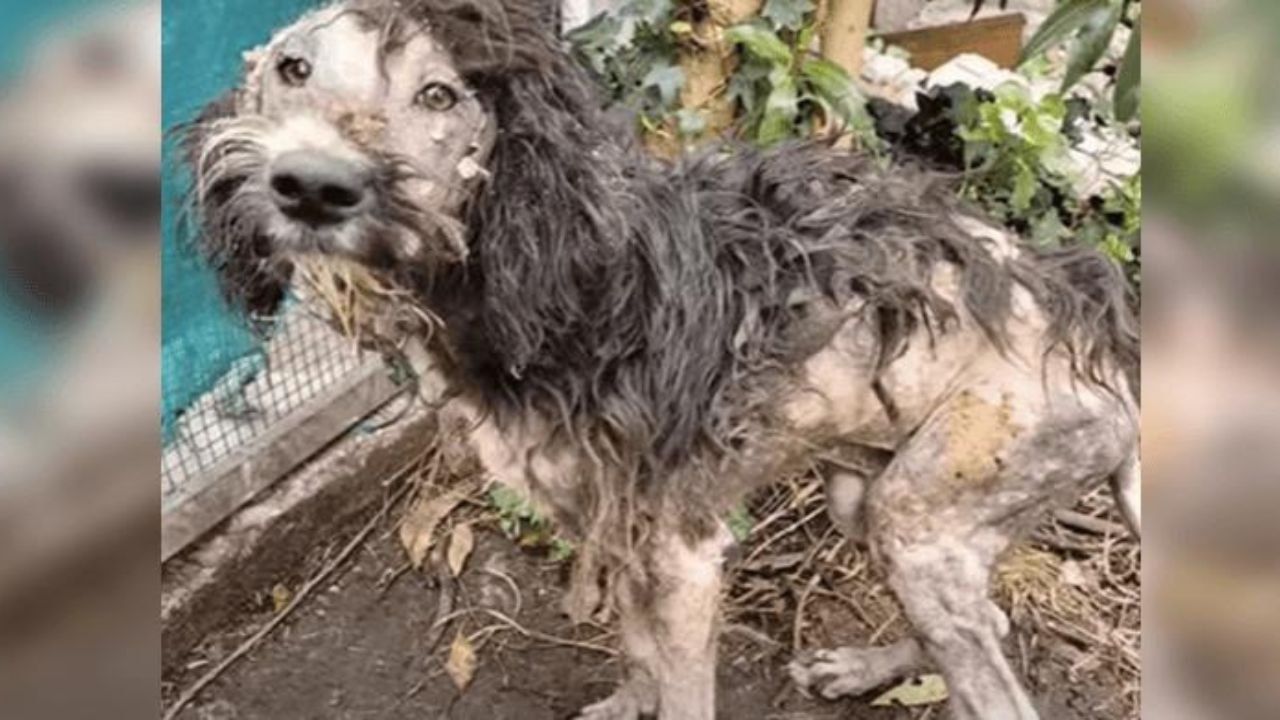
[521, 522]
[1015, 148]
[797, 86]
[1112, 222]
[1016, 166]
[632, 53]
[1014, 152]
[1089, 25]
[739, 521]
[780, 89]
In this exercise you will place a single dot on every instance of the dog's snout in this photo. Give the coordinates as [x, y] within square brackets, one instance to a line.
[317, 188]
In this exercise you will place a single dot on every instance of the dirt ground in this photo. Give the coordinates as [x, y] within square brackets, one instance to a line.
[367, 644]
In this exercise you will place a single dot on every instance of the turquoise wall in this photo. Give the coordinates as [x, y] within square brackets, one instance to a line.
[203, 41]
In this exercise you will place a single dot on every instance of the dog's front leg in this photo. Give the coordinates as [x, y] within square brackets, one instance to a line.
[683, 608]
[669, 610]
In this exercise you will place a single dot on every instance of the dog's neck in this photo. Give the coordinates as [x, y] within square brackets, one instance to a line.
[548, 241]
[591, 293]
[539, 287]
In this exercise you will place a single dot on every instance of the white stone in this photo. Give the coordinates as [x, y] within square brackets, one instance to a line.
[974, 71]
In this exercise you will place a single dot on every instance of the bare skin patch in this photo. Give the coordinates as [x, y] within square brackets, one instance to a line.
[977, 431]
[364, 129]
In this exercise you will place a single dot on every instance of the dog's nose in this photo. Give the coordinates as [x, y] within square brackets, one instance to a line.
[317, 188]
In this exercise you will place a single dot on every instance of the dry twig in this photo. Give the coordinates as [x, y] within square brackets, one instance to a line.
[305, 592]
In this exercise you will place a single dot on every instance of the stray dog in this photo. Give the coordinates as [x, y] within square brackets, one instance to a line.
[639, 345]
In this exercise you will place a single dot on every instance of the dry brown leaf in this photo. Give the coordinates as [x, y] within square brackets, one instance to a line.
[915, 691]
[419, 524]
[1073, 574]
[461, 543]
[280, 597]
[461, 665]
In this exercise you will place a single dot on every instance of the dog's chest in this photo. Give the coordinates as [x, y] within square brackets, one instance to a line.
[520, 455]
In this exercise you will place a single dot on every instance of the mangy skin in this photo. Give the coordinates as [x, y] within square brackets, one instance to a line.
[981, 438]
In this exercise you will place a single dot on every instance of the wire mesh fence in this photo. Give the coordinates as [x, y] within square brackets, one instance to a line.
[302, 359]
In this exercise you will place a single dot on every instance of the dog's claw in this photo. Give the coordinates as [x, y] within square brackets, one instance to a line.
[847, 671]
[621, 705]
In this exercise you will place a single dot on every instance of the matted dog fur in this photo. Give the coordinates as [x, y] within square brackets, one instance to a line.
[640, 344]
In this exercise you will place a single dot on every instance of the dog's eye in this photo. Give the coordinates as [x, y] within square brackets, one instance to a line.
[293, 70]
[436, 96]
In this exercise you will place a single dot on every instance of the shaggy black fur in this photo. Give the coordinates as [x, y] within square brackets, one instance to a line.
[253, 278]
[623, 293]
[651, 307]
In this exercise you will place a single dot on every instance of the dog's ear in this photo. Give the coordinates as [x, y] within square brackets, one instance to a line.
[252, 279]
[192, 135]
[539, 228]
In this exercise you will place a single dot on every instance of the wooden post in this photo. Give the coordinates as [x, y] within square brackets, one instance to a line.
[843, 32]
[708, 63]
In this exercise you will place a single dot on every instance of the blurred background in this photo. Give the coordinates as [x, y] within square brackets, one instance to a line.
[1211, 359]
[79, 361]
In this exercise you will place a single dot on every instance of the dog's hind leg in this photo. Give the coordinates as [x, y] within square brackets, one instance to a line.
[958, 493]
[845, 490]
[669, 614]
[966, 484]
[1126, 485]
[846, 475]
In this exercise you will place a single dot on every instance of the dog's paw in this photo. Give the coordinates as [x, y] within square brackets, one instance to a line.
[622, 705]
[844, 671]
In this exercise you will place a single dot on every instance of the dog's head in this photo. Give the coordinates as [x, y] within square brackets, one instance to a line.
[369, 130]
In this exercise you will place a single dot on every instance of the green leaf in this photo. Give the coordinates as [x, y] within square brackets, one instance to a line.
[761, 43]
[1048, 230]
[690, 122]
[1069, 17]
[740, 523]
[780, 110]
[787, 14]
[1012, 94]
[1115, 248]
[1092, 43]
[561, 550]
[599, 33]
[1128, 80]
[505, 500]
[742, 87]
[804, 38]
[654, 12]
[832, 83]
[667, 79]
[1024, 188]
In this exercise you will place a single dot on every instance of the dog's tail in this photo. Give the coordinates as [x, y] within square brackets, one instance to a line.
[1126, 484]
